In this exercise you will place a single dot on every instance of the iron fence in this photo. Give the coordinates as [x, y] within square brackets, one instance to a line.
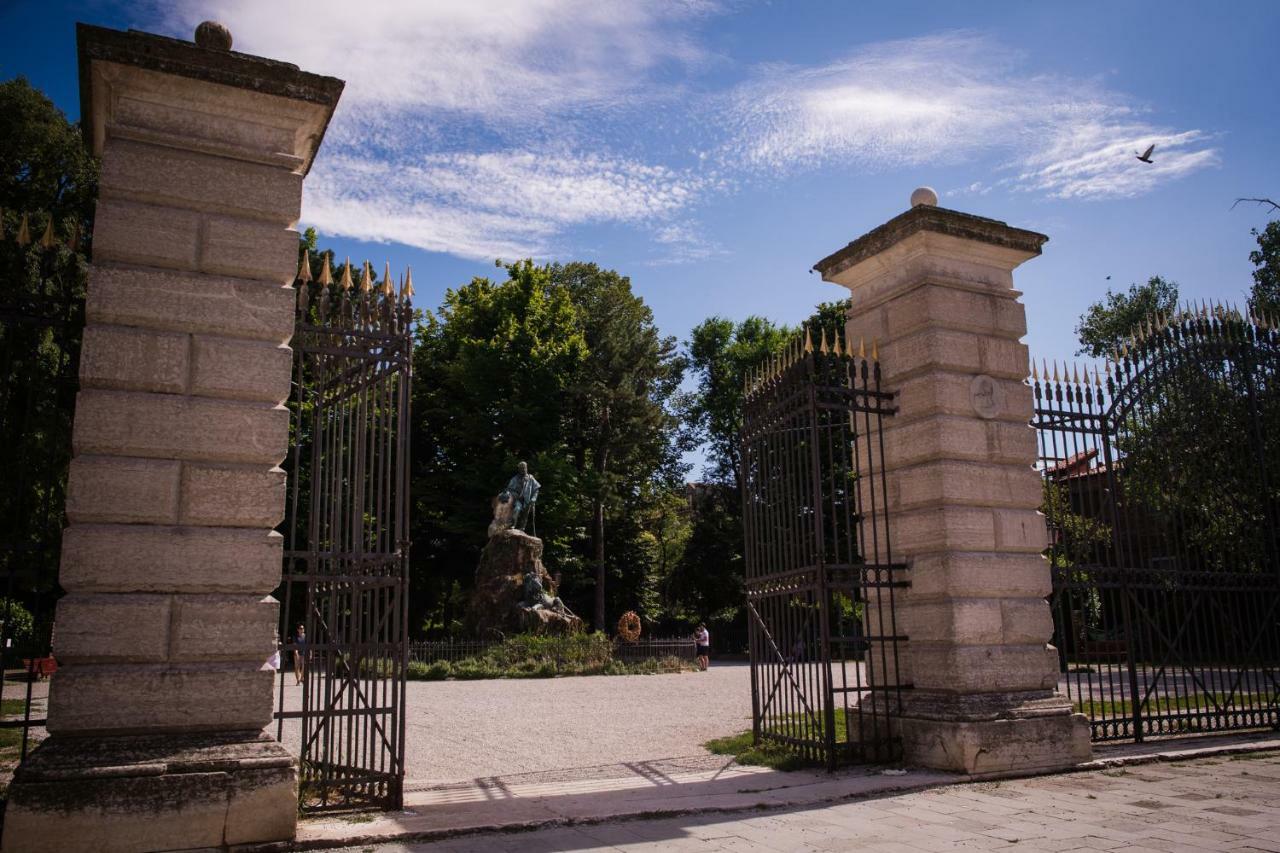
[820, 579]
[1161, 497]
[347, 539]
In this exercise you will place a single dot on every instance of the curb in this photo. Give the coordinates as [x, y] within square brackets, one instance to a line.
[1097, 764]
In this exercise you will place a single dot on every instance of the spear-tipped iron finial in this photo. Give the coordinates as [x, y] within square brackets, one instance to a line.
[366, 277]
[304, 267]
[47, 240]
[808, 341]
[406, 290]
[326, 274]
[345, 282]
[24, 232]
[388, 289]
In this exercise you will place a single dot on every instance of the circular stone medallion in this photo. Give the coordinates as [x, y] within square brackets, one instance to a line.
[986, 396]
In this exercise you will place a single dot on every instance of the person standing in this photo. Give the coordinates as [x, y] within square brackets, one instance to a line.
[702, 638]
[299, 653]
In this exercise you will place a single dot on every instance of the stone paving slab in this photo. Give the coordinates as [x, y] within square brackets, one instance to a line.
[1218, 803]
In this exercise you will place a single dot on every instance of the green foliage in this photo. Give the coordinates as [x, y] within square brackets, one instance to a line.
[1108, 323]
[532, 656]
[1265, 294]
[561, 366]
[46, 173]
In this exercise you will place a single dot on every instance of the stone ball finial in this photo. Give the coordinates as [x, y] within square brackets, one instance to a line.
[925, 196]
[213, 36]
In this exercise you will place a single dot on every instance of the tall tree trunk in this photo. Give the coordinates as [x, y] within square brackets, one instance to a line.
[597, 524]
[597, 537]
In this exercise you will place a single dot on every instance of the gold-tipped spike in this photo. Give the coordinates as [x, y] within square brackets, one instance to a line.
[326, 274]
[24, 232]
[47, 240]
[388, 290]
[366, 277]
[808, 341]
[1097, 377]
[835, 337]
[1075, 374]
[1124, 350]
[875, 349]
[345, 282]
[848, 343]
[304, 268]
[823, 348]
[406, 289]
[862, 348]
[1055, 371]
[1035, 374]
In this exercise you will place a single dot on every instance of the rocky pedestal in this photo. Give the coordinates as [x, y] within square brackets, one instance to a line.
[157, 711]
[934, 288]
[497, 604]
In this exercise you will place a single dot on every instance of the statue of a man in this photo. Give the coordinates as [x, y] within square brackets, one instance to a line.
[522, 490]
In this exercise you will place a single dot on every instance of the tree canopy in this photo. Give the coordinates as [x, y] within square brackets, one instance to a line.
[1109, 322]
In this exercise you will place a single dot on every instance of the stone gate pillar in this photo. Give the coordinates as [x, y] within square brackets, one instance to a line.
[934, 289]
[157, 712]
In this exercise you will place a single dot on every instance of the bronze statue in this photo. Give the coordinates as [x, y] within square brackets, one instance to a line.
[522, 493]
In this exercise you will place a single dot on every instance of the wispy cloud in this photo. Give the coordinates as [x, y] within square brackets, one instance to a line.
[501, 204]
[475, 128]
[948, 99]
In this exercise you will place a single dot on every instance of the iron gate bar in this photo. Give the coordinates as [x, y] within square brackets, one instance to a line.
[1186, 590]
[811, 459]
[348, 543]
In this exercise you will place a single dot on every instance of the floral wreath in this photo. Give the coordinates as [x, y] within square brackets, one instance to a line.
[629, 626]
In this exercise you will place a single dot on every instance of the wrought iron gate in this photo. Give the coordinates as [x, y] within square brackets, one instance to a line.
[1163, 501]
[347, 540]
[820, 579]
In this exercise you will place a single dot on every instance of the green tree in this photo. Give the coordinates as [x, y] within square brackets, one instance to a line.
[1265, 294]
[1109, 322]
[620, 430]
[48, 176]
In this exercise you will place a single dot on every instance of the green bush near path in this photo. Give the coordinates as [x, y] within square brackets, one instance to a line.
[530, 656]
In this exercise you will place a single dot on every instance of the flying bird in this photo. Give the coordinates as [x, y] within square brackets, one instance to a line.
[1145, 156]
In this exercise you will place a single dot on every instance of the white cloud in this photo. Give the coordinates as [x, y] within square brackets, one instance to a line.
[502, 204]
[948, 99]
[533, 84]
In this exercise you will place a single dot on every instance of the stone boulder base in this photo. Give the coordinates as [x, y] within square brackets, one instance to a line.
[495, 603]
[148, 792]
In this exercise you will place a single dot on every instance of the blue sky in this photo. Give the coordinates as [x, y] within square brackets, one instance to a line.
[714, 151]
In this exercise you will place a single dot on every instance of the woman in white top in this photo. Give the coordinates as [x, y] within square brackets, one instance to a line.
[703, 639]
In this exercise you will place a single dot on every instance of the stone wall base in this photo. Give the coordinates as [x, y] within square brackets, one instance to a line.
[993, 733]
[145, 793]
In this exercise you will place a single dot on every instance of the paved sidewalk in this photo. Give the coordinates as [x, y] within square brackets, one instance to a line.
[1227, 802]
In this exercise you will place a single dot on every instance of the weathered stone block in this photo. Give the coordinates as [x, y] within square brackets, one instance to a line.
[243, 247]
[1026, 621]
[983, 667]
[940, 393]
[122, 490]
[232, 495]
[164, 175]
[149, 698]
[936, 305]
[144, 793]
[118, 423]
[140, 558]
[1020, 530]
[910, 442]
[963, 483]
[956, 620]
[969, 575]
[131, 359]
[224, 627]
[942, 528]
[932, 349]
[990, 747]
[131, 233]
[112, 628]
[240, 370]
[190, 303]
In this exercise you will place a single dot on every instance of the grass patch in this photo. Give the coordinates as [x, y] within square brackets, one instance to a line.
[529, 656]
[13, 707]
[1164, 703]
[766, 754]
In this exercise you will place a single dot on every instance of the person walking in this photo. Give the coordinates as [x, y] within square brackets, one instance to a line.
[702, 637]
[299, 653]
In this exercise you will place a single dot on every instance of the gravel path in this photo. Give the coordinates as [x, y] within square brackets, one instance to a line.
[464, 730]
